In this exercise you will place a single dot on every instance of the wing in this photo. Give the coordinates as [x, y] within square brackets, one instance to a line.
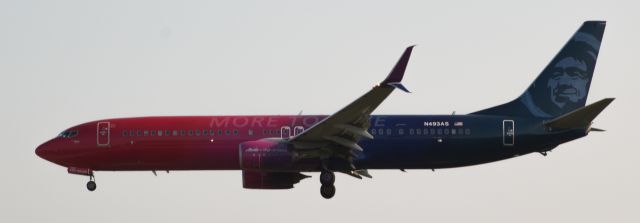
[338, 135]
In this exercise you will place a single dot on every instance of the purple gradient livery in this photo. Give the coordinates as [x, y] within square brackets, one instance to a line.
[273, 151]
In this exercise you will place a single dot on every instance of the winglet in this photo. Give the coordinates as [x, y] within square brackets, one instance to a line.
[399, 85]
[395, 76]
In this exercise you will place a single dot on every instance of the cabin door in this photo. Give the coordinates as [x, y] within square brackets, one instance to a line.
[297, 130]
[285, 132]
[508, 132]
[103, 133]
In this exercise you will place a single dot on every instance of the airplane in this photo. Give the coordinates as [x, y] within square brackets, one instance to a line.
[273, 152]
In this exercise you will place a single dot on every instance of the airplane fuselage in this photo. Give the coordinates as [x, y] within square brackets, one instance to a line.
[212, 142]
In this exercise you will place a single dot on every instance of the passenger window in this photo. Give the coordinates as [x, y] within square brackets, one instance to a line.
[453, 131]
[219, 132]
[250, 132]
[388, 131]
[205, 132]
[183, 132]
[439, 131]
[146, 132]
[411, 131]
[159, 132]
[197, 132]
[235, 132]
[228, 132]
[400, 131]
[432, 131]
[190, 132]
[418, 131]
[139, 133]
[153, 133]
[374, 132]
[446, 131]
[125, 133]
[467, 131]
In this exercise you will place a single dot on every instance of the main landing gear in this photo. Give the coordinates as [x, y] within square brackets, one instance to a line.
[327, 178]
[91, 185]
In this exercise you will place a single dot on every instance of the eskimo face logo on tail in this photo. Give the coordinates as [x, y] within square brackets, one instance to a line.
[569, 82]
[571, 70]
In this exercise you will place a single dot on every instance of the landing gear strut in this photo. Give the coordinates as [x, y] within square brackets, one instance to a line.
[91, 185]
[327, 178]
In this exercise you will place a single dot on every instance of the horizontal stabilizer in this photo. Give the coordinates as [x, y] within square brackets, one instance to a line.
[580, 118]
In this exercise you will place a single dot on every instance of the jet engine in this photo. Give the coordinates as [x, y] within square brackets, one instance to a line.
[270, 180]
[266, 155]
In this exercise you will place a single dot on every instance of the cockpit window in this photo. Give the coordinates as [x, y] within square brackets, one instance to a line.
[69, 134]
[64, 134]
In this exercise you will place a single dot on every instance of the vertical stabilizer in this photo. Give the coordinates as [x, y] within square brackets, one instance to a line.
[564, 83]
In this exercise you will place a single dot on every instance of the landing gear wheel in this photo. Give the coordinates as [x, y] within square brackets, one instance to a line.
[91, 185]
[327, 191]
[327, 177]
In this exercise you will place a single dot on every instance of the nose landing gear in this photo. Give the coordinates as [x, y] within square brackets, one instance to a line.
[91, 185]
[327, 178]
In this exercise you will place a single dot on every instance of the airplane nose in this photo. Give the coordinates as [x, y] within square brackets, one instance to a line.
[53, 151]
[44, 151]
[40, 151]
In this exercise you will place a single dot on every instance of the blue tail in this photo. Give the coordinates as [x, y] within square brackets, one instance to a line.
[563, 85]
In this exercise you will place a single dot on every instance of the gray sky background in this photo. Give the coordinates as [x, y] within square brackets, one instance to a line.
[67, 62]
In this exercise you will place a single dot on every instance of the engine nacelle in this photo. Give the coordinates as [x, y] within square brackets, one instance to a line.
[270, 180]
[266, 155]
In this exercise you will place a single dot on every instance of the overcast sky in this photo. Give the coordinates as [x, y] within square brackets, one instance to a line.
[67, 62]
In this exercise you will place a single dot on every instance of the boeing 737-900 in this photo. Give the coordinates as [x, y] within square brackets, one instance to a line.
[273, 151]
